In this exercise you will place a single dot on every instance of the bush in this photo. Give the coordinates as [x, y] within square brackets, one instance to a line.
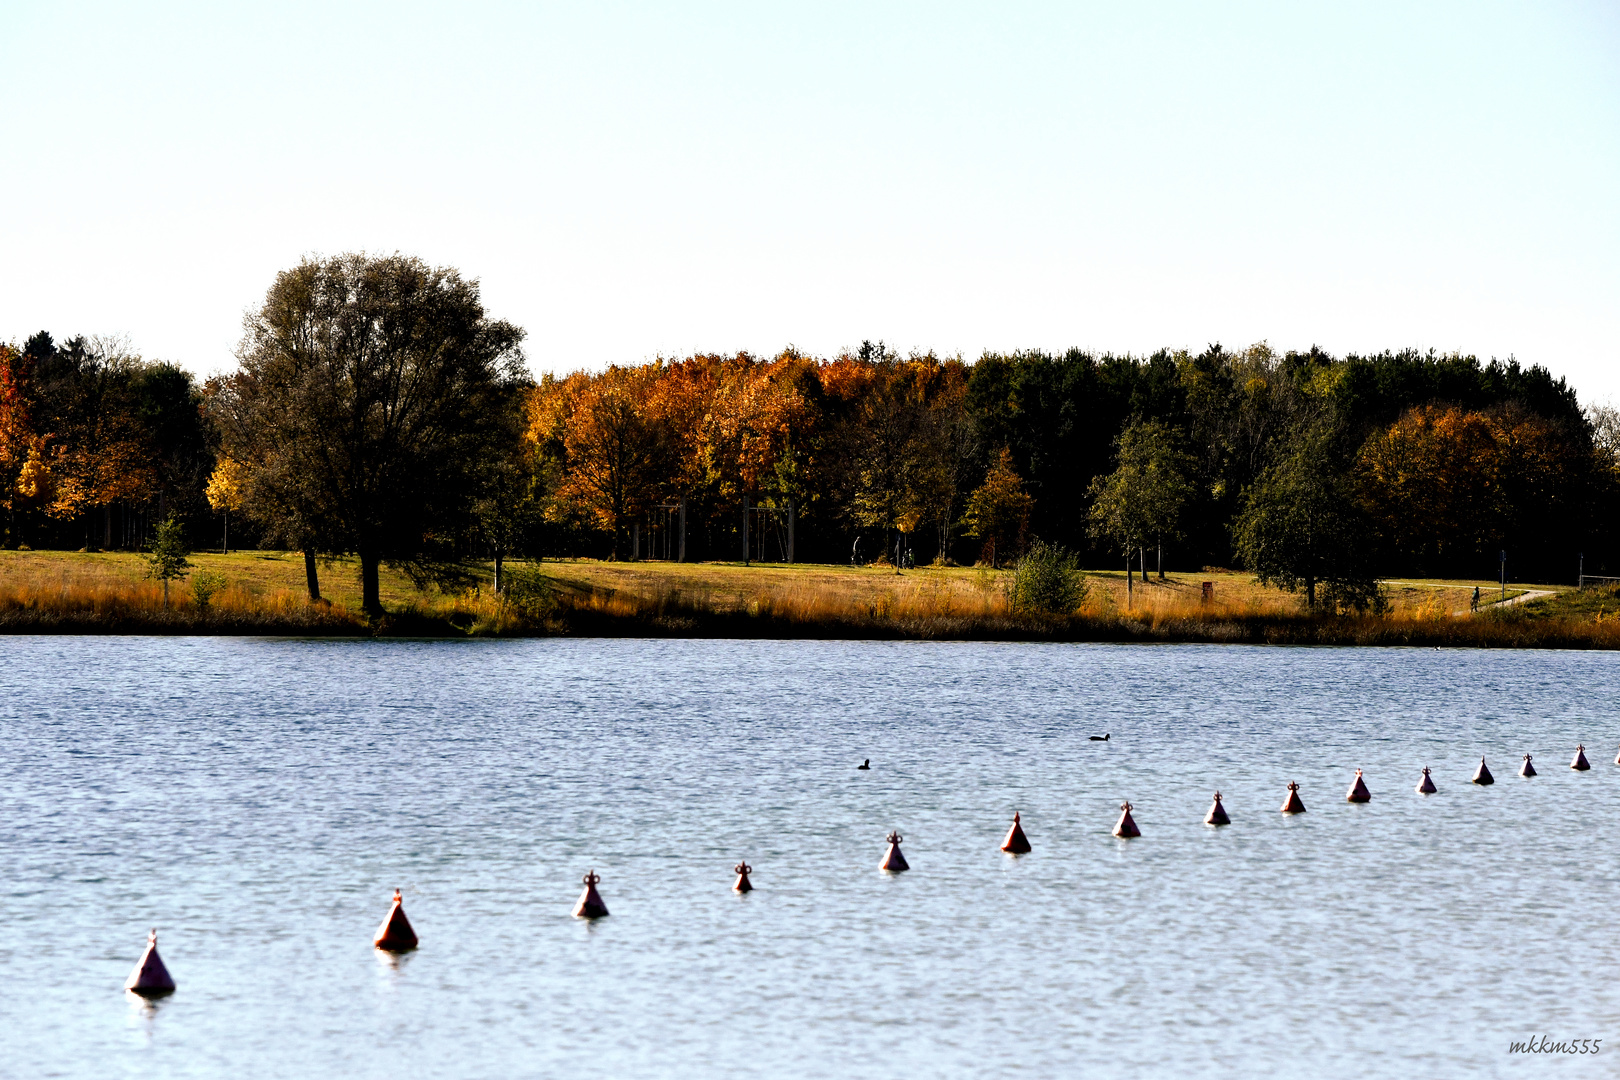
[528, 590]
[204, 585]
[1047, 581]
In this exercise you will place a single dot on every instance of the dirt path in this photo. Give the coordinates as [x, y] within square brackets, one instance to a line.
[1523, 598]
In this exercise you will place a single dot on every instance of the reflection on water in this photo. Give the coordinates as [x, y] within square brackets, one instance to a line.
[259, 801]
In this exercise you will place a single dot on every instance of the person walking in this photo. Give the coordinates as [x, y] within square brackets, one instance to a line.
[1475, 605]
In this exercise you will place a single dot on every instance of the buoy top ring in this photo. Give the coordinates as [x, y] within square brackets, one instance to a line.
[1358, 772]
[1426, 770]
[895, 837]
[1125, 806]
[1580, 746]
[151, 939]
[590, 878]
[397, 898]
[1526, 757]
[743, 868]
[1015, 817]
[1217, 796]
[1292, 786]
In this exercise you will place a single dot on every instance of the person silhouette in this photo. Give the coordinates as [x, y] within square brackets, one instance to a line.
[1475, 605]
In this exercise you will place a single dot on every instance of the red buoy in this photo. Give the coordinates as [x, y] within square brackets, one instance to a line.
[150, 979]
[1217, 813]
[1358, 790]
[1126, 828]
[1579, 764]
[395, 934]
[894, 862]
[1016, 843]
[1294, 805]
[1426, 785]
[590, 904]
[1527, 769]
[743, 884]
[1482, 775]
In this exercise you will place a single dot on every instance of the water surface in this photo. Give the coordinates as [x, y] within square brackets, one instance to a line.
[258, 801]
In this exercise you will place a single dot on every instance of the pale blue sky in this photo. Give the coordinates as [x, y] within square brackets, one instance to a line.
[635, 179]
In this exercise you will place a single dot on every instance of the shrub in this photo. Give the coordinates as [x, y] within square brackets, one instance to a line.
[204, 585]
[1047, 581]
[528, 590]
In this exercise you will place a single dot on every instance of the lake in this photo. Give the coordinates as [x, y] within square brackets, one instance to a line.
[258, 801]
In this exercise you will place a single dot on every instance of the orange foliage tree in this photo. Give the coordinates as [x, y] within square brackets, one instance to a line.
[611, 444]
[1443, 482]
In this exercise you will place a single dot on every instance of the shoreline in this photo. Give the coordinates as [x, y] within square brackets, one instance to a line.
[104, 594]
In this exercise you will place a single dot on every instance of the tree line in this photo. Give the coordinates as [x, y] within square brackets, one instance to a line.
[376, 410]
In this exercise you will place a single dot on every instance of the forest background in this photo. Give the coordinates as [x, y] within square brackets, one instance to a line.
[1314, 470]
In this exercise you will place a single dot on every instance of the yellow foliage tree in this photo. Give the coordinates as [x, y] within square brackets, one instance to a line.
[225, 492]
[998, 510]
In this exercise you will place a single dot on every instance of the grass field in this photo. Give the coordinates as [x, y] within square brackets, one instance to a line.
[109, 592]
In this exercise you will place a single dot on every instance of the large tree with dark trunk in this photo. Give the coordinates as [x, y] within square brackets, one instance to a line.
[366, 405]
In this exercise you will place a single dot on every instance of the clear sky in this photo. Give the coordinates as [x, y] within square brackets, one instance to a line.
[634, 179]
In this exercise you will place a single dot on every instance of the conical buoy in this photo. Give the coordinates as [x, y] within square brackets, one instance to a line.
[1294, 805]
[1126, 827]
[1358, 790]
[1217, 813]
[1426, 785]
[1016, 843]
[590, 904]
[893, 861]
[1579, 764]
[1482, 775]
[1527, 769]
[743, 884]
[150, 979]
[395, 934]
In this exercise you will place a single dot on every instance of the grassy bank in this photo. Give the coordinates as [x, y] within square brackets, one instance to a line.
[263, 593]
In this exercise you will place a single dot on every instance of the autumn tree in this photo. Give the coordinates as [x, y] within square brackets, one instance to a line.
[16, 430]
[998, 510]
[945, 450]
[225, 493]
[884, 460]
[364, 405]
[611, 444]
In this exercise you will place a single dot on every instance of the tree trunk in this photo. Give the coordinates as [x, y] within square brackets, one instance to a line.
[1161, 560]
[1130, 581]
[311, 579]
[1310, 593]
[497, 572]
[225, 545]
[1142, 555]
[370, 592]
